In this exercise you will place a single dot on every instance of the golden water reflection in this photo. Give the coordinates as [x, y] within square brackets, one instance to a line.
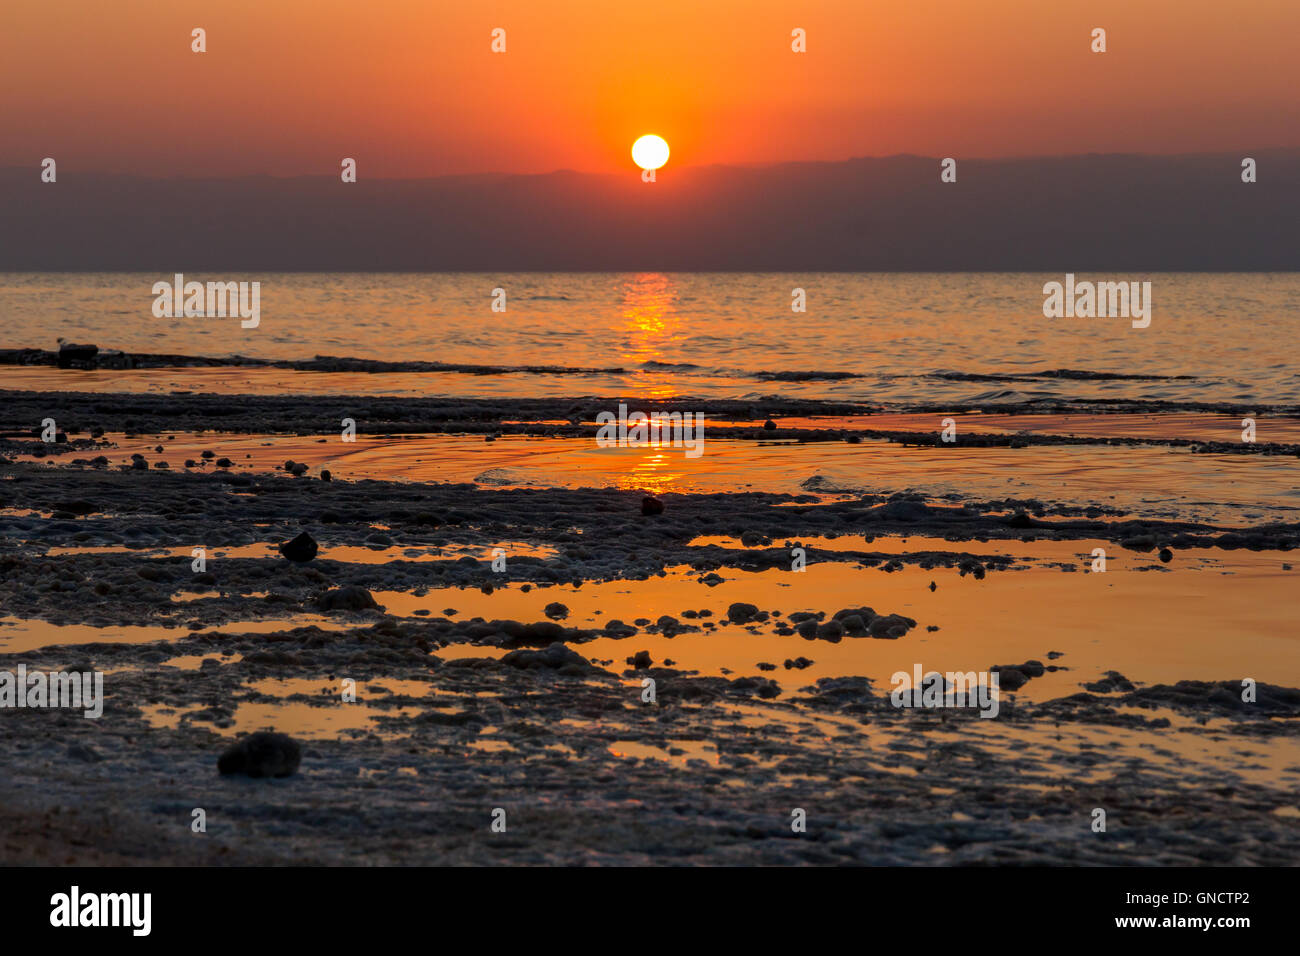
[652, 324]
[653, 327]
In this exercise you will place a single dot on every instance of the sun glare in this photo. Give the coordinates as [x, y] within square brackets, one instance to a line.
[650, 152]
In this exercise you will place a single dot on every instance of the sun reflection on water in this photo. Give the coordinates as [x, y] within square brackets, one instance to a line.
[652, 325]
[653, 471]
[653, 328]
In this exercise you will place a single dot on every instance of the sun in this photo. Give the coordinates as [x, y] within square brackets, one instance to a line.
[650, 152]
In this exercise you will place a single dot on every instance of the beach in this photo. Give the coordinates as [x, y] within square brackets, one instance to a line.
[637, 654]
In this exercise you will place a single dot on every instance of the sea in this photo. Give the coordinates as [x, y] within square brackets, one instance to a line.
[892, 339]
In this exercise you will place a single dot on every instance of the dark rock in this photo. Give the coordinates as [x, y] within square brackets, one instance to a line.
[1113, 681]
[70, 354]
[652, 506]
[856, 622]
[555, 657]
[263, 754]
[616, 628]
[1013, 677]
[1221, 697]
[302, 548]
[763, 687]
[349, 598]
[832, 631]
[741, 613]
[537, 634]
[556, 611]
[641, 660]
[891, 626]
[843, 689]
[1009, 678]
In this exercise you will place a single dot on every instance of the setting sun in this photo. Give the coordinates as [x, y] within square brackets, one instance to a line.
[650, 152]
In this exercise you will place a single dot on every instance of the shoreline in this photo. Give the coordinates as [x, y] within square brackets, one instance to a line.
[520, 687]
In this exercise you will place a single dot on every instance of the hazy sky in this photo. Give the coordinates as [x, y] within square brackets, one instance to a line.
[410, 87]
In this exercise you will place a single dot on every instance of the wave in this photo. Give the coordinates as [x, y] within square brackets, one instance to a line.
[804, 376]
[670, 366]
[1069, 373]
[92, 357]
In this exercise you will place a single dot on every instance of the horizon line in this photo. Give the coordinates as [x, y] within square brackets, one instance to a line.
[499, 174]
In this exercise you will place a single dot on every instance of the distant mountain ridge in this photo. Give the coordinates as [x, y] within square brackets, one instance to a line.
[1115, 213]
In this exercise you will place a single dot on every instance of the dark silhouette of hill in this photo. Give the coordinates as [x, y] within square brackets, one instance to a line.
[1076, 213]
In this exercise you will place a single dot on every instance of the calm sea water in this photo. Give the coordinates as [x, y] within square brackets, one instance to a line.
[868, 337]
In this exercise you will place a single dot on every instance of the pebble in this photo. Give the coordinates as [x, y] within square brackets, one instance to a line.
[263, 754]
[302, 548]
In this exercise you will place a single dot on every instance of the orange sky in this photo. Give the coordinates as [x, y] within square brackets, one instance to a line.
[410, 88]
